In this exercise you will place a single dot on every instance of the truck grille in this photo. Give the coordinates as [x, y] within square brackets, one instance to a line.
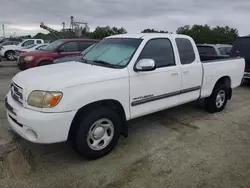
[17, 93]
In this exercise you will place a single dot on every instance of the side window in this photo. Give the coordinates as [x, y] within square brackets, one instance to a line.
[222, 50]
[186, 50]
[83, 45]
[228, 50]
[39, 42]
[160, 50]
[40, 47]
[28, 42]
[69, 47]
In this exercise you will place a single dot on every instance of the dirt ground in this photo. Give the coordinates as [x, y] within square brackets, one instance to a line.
[183, 147]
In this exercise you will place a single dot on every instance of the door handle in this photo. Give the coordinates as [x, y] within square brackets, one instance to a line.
[185, 72]
[174, 74]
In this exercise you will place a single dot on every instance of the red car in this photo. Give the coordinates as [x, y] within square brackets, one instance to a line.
[57, 49]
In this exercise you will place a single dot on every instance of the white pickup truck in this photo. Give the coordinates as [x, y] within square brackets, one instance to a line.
[88, 102]
[9, 50]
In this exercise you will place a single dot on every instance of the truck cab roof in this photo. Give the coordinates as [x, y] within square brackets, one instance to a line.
[147, 35]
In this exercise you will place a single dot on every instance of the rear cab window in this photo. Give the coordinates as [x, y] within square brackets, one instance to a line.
[206, 50]
[186, 50]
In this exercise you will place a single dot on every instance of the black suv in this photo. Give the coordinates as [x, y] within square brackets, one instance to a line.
[241, 48]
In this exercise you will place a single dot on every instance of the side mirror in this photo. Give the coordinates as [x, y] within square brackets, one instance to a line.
[60, 50]
[145, 65]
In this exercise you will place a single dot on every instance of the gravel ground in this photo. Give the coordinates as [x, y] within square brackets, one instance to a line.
[180, 147]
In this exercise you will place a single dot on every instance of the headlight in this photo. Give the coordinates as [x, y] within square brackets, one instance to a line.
[28, 58]
[43, 99]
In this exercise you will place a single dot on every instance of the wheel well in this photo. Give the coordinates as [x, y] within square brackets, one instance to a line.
[44, 61]
[225, 80]
[8, 51]
[85, 110]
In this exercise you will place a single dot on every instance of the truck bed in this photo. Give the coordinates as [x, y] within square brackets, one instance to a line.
[213, 69]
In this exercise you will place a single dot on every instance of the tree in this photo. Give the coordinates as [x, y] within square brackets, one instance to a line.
[206, 34]
[102, 32]
[153, 31]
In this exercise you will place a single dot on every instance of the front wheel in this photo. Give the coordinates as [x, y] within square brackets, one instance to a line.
[218, 99]
[98, 133]
[10, 55]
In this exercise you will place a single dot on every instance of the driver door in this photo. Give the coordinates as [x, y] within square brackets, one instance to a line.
[154, 90]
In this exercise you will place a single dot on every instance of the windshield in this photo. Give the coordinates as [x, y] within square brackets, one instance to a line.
[52, 45]
[113, 51]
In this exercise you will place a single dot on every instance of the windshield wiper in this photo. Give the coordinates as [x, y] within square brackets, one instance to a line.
[100, 62]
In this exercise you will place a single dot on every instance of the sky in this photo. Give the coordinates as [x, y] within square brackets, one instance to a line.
[23, 17]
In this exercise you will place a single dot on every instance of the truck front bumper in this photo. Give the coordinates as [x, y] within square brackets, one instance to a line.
[38, 127]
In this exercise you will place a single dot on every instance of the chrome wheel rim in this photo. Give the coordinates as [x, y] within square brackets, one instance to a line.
[220, 98]
[100, 134]
[10, 56]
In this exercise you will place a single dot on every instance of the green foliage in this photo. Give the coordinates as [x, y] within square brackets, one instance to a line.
[102, 32]
[153, 31]
[200, 33]
[206, 34]
[98, 33]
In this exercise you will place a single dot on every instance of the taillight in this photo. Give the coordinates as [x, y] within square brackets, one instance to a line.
[21, 51]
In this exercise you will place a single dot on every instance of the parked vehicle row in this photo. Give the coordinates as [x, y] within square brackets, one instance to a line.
[8, 51]
[57, 49]
[34, 47]
[122, 77]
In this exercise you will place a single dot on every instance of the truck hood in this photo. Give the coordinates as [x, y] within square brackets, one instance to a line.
[69, 74]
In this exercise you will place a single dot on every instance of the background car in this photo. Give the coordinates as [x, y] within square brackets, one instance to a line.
[57, 49]
[241, 48]
[214, 51]
[30, 48]
[8, 51]
[9, 43]
[73, 57]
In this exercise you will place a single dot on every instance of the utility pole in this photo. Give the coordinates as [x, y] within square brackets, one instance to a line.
[3, 31]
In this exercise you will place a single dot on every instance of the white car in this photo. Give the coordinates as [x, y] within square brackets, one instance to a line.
[9, 50]
[30, 48]
[89, 101]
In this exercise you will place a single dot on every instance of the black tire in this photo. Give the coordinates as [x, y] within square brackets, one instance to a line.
[43, 63]
[80, 140]
[10, 55]
[210, 102]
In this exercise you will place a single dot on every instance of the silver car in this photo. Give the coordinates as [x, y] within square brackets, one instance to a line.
[214, 49]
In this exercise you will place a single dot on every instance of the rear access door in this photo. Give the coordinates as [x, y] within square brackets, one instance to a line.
[191, 70]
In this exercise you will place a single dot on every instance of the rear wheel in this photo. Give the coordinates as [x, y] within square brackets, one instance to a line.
[98, 133]
[10, 55]
[218, 99]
